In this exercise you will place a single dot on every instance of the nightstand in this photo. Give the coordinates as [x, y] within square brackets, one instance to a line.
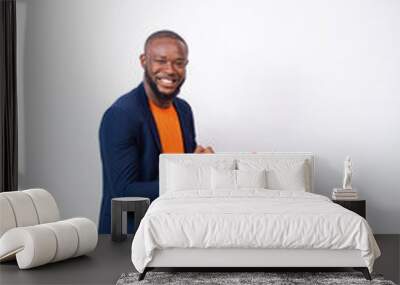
[357, 206]
[119, 209]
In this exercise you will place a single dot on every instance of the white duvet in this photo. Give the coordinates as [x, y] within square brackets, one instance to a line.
[250, 219]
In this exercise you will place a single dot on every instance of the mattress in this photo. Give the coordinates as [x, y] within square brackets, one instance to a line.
[251, 219]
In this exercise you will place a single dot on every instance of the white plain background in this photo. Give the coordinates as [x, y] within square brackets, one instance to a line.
[309, 75]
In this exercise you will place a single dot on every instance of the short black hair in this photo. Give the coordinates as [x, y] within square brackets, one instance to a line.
[164, 34]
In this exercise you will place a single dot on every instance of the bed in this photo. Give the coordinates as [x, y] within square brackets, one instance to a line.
[246, 210]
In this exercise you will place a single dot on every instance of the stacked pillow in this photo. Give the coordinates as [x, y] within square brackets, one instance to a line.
[193, 174]
[230, 174]
[282, 174]
[237, 179]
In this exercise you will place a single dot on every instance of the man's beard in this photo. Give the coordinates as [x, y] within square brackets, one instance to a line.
[162, 97]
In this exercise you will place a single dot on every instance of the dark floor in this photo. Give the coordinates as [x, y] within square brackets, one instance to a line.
[111, 259]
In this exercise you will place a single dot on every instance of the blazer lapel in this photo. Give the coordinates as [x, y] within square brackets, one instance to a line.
[148, 116]
[183, 124]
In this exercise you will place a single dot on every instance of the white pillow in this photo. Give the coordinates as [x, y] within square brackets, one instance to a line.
[251, 178]
[282, 174]
[193, 174]
[226, 179]
[223, 179]
[189, 177]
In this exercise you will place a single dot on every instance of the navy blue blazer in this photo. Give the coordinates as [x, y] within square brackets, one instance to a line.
[130, 147]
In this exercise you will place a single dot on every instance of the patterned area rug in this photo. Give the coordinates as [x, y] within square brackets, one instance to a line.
[269, 278]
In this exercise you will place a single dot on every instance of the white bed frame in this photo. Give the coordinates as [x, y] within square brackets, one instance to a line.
[245, 258]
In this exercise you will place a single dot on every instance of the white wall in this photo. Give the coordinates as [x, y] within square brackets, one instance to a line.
[310, 75]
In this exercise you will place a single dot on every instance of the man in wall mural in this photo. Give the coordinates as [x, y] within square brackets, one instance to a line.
[147, 121]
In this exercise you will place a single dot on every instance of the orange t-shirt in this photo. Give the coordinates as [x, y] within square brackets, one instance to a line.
[169, 128]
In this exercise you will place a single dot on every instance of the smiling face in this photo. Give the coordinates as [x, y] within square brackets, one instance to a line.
[164, 63]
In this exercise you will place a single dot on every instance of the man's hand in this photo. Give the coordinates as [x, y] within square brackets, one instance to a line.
[201, 149]
[208, 149]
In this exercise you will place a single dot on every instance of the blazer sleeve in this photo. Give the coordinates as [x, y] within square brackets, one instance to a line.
[192, 125]
[120, 156]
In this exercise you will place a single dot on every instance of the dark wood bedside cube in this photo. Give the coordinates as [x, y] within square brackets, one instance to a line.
[357, 206]
[119, 209]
